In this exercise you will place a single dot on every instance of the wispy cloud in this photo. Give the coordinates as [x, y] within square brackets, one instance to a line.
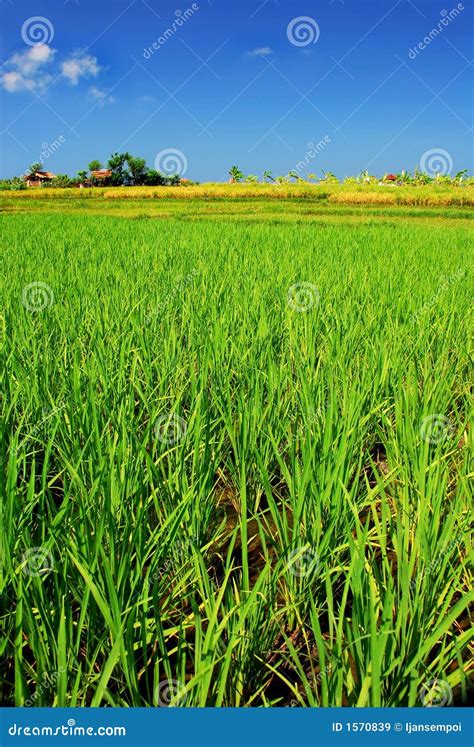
[80, 66]
[25, 70]
[101, 96]
[260, 52]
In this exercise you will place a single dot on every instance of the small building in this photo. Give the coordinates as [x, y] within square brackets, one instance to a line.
[101, 174]
[38, 178]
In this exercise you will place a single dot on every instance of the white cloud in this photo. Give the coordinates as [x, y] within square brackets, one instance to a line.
[260, 52]
[101, 96]
[25, 69]
[79, 66]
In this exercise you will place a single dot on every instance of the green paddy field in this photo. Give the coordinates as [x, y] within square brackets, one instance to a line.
[236, 450]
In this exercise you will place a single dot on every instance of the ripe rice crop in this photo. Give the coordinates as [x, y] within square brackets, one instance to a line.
[235, 460]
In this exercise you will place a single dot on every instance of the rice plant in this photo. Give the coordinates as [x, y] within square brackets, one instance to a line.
[235, 461]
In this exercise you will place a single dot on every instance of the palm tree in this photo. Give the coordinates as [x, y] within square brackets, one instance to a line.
[311, 176]
[82, 176]
[251, 179]
[268, 175]
[236, 175]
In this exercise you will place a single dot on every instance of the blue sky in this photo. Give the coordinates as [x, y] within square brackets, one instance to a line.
[243, 82]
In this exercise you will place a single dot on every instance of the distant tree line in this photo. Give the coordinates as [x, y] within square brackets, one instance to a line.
[125, 170]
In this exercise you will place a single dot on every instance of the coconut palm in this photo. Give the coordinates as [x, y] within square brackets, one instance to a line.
[268, 176]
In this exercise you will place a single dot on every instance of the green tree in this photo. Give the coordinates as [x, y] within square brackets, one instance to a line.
[154, 178]
[95, 165]
[137, 168]
[82, 176]
[37, 166]
[268, 176]
[60, 180]
[236, 175]
[117, 163]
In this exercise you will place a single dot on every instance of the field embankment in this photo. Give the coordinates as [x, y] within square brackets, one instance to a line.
[340, 194]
